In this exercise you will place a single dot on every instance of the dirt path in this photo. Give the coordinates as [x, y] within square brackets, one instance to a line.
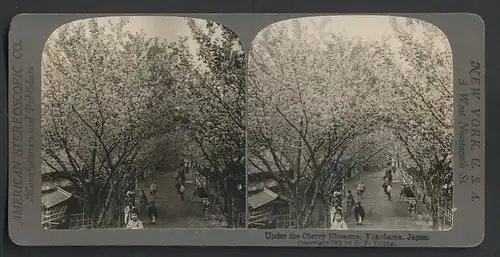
[174, 213]
[380, 212]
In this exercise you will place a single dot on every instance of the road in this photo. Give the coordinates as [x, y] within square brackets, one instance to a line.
[380, 212]
[174, 213]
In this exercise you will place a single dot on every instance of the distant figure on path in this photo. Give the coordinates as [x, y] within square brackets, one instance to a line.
[181, 174]
[389, 190]
[153, 188]
[179, 186]
[359, 213]
[388, 172]
[338, 223]
[361, 189]
[350, 199]
[412, 207]
[143, 201]
[134, 222]
[152, 212]
[205, 207]
[384, 185]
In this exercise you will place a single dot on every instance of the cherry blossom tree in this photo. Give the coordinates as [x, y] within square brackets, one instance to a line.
[106, 103]
[217, 126]
[311, 96]
[425, 122]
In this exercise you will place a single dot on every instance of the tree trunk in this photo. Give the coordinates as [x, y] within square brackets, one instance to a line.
[436, 220]
[310, 209]
[106, 207]
[229, 212]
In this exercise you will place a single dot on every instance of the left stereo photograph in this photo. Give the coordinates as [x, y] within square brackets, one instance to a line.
[142, 125]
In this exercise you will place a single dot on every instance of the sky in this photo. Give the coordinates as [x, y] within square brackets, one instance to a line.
[370, 27]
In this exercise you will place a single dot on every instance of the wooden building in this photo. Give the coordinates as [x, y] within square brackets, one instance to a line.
[266, 207]
[57, 203]
[61, 208]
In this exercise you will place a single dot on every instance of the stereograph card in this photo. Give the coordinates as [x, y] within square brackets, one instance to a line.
[305, 130]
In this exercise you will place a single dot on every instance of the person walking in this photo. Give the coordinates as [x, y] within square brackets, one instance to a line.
[181, 174]
[359, 213]
[402, 193]
[412, 209]
[384, 186]
[180, 188]
[205, 207]
[152, 212]
[153, 189]
[350, 199]
[134, 222]
[361, 189]
[388, 191]
[143, 201]
[389, 171]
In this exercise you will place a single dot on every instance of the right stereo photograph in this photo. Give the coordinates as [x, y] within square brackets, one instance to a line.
[350, 125]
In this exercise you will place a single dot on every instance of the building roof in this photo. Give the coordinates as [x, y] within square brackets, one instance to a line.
[262, 198]
[53, 183]
[55, 197]
[261, 184]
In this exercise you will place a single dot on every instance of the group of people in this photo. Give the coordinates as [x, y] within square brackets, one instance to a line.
[356, 208]
[146, 205]
[337, 213]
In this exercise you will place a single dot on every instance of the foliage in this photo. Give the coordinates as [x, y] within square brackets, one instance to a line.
[217, 125]
[425, 126]
[311, 95]
[106, 107]
[322, 104]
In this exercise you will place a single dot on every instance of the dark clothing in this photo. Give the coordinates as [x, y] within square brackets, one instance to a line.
[205, 208]
[130, 199]
[385, 187]
[359, 211]
[180, 192]
[350, 200]
[181, 175]
[411, 207]
[143, 202]
[152, 211]
[178, 187]
[337, 200]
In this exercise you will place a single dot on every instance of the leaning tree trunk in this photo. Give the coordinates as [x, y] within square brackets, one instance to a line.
[105, 208]
[310, 209]
[436, 219]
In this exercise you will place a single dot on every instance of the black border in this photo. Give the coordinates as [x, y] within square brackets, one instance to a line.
[485, 8]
